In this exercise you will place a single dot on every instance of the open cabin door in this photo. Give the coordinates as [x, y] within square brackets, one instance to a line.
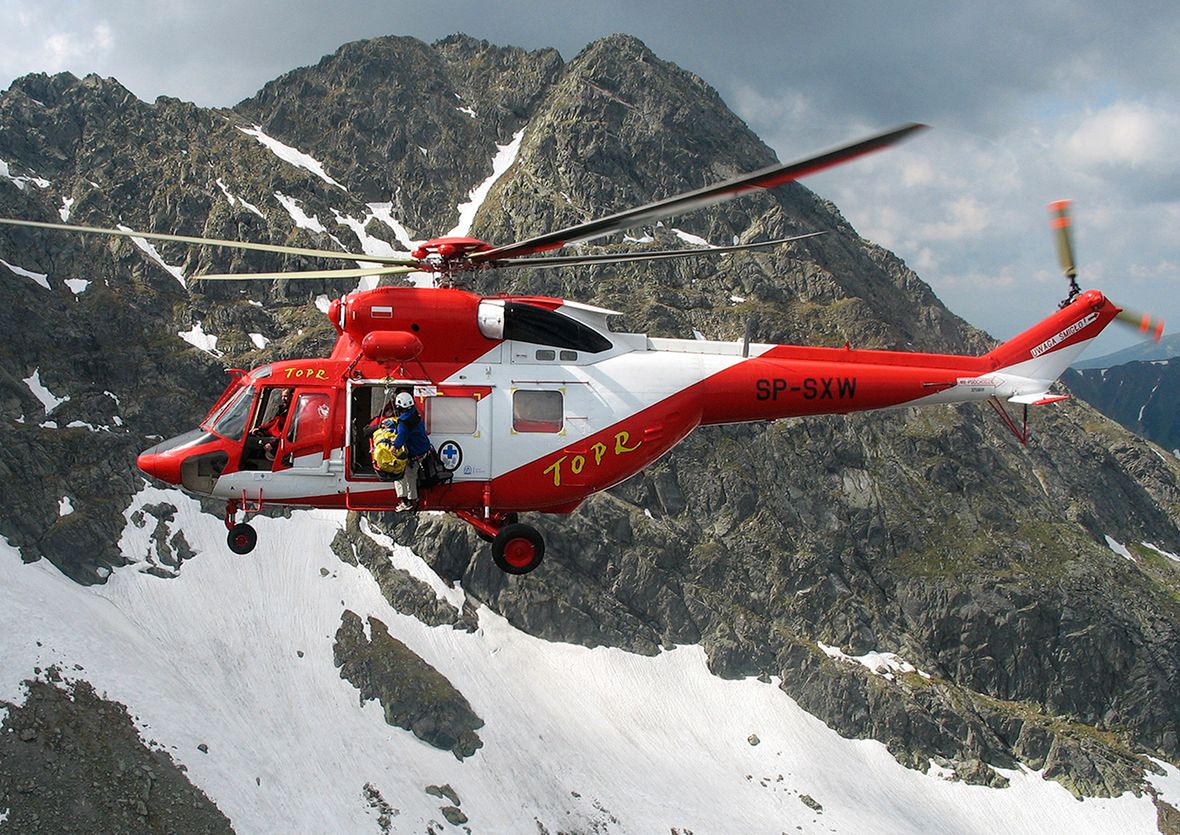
[458, 423]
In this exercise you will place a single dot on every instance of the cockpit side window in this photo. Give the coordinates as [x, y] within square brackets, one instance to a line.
[541, 326]
[230, 421]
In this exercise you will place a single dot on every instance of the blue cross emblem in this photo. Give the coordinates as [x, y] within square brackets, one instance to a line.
[450, 455]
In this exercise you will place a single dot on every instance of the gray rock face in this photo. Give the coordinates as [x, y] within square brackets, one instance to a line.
[71, 761]
[930, 534]
[415, 696]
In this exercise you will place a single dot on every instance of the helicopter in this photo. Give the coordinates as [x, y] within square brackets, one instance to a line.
[533, 404]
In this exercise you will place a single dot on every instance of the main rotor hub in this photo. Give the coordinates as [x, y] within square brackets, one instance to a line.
[449, 254]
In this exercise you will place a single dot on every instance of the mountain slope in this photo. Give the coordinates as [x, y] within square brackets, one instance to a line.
[236, 656]
[1142, 396]
[779, 549]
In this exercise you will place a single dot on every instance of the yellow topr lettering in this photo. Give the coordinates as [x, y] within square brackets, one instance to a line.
[555, 468]
[598, 450]
[621, 439]
[297, 373]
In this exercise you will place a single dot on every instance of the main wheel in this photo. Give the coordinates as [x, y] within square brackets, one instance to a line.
[242, 538]
[518, 548]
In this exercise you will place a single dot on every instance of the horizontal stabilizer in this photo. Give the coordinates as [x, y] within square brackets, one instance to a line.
[1039, 399]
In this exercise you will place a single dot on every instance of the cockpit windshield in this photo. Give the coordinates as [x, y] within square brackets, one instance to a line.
[229, 421]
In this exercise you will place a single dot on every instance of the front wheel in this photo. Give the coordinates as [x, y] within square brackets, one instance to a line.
[242, 538]
[518, 548]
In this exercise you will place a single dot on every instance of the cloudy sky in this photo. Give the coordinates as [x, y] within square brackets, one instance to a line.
[1030, 103]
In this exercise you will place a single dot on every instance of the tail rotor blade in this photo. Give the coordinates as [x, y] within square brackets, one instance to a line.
[1062, 224]
[1146, 324]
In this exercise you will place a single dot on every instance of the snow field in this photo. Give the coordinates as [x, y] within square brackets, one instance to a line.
[645, 743]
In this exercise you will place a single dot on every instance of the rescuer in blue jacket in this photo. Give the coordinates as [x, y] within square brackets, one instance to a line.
[411, 436]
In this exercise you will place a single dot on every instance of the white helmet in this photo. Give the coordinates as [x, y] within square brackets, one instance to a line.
[404, 400]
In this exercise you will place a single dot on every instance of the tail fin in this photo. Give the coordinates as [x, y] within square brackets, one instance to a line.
[1046, 349]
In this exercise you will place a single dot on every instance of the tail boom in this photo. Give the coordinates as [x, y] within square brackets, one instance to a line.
[788, 381]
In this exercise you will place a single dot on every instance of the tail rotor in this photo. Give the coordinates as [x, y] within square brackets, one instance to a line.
[1062, 223]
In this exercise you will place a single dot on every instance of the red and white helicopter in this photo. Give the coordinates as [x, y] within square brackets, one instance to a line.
[534, 404]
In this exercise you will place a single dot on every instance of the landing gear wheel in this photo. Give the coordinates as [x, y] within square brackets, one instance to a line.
[518, 548]
[510, 519]
[242, 538]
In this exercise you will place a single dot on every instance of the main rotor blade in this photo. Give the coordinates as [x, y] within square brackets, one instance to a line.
[187, 239]
[359, 272]
[766, 178]
[1062, 223]
[619, 257]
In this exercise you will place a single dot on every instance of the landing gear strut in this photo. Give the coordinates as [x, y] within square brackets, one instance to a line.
[517, 548]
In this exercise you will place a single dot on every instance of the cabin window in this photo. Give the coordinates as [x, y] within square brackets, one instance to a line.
[569, 356]
[537, 411]
[451, 415]
[546, 354]
[311, 418]
[541, 326]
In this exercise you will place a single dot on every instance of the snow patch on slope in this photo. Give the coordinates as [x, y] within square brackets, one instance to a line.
[302, 219]
[1167, 784]
[40, 278]
[505, 156]
[1162, 552]
[291, 155]
[150, 250]
[370, 245]
[197, 337]
[384, 213]
[402, 557]
[21, 182]
[1118, 547]
[234, 200]
[689, 238]
[884, 664]
[48, 399]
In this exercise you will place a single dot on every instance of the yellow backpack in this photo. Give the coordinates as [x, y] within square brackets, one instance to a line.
[388, 458]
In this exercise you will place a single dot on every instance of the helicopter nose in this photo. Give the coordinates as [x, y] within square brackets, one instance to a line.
[161, 465]
[164, 460]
